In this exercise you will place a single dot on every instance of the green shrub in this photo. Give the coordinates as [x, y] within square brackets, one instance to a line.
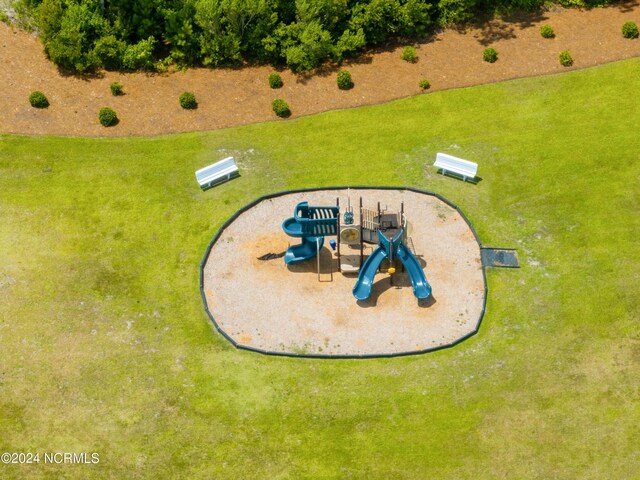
[86, 34]
[566, 59]
[344, 80]
[116, 89]
[630, 30]
[109, 51]
[162, 65]
[424, 84]
[68, 31]
[547, 31]
[281, 108]
[188, 101]
[409, 54]
[139, 55]
[313, 43]
[38, 100]
[107, 117]
[275, 80]
[490, 55]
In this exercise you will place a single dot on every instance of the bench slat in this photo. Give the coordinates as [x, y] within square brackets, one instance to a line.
[216, 167]
[219, 172]
[449, 163]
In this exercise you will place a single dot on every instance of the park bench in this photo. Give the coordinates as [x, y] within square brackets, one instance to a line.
[449, 163]
[217, 173]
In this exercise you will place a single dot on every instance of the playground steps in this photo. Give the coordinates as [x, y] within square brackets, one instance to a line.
[350, 259]
[350, 263]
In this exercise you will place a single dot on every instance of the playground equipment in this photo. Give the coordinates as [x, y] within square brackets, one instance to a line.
[391, 246]
[310, 224]
[386, 230]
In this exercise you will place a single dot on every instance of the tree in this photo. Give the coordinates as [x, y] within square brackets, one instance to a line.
[137, 20]
[109, 52]
[218, 45]
[234, 29]
[70, 36]
[182, 34]
[140, 55]
[312, 45]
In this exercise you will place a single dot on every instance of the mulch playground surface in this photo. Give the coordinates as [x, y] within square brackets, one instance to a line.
[228, 97]
[272, 307]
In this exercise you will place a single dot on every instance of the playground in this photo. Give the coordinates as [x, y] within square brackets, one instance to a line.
[414, 284]
[106, 345]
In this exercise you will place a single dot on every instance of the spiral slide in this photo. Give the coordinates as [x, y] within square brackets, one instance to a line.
[304, 251]
[310, 224]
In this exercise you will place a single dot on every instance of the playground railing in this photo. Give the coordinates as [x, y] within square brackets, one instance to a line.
[317, 221]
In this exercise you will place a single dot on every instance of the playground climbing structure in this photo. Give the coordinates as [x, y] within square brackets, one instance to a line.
[311, 225]
[388, 231]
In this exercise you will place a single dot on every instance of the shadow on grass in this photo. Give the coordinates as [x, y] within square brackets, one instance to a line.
[474, 181]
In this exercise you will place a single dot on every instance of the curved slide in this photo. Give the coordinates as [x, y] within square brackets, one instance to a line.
[310, 224]
[303, 251]
[362, 288]
[292, 227]
[308, 248]
[421, 287]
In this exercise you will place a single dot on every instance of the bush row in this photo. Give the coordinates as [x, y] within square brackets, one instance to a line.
[150, 34]
[187, 100]
[108, 117]
[344, 81]
[491, 55]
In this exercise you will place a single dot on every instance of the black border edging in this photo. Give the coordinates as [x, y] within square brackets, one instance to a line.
[324, 356]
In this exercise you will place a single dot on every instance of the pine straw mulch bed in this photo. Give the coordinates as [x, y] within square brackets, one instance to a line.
[228, 97]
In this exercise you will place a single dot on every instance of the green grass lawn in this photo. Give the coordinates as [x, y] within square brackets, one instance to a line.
[105, 346]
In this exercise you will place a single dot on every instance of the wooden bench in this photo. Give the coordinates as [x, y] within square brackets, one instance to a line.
[449, 163]
[217, 173]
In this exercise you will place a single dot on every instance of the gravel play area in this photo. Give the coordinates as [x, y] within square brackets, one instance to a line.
[268, 306]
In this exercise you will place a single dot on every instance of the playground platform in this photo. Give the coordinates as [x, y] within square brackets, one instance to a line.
[267, 306]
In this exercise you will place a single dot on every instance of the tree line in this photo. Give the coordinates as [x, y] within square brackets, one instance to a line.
[82, 35]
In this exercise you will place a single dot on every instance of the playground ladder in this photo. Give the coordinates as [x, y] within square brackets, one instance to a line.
[410, 245]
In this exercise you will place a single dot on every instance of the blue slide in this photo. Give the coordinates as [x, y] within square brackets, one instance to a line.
[310, 224]
[303, 251]
[292, 227]
[386, 249]
[362, 288]
[421, 287]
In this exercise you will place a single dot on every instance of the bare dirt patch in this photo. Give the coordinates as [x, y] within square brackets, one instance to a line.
[230, 97]
[268, 306]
